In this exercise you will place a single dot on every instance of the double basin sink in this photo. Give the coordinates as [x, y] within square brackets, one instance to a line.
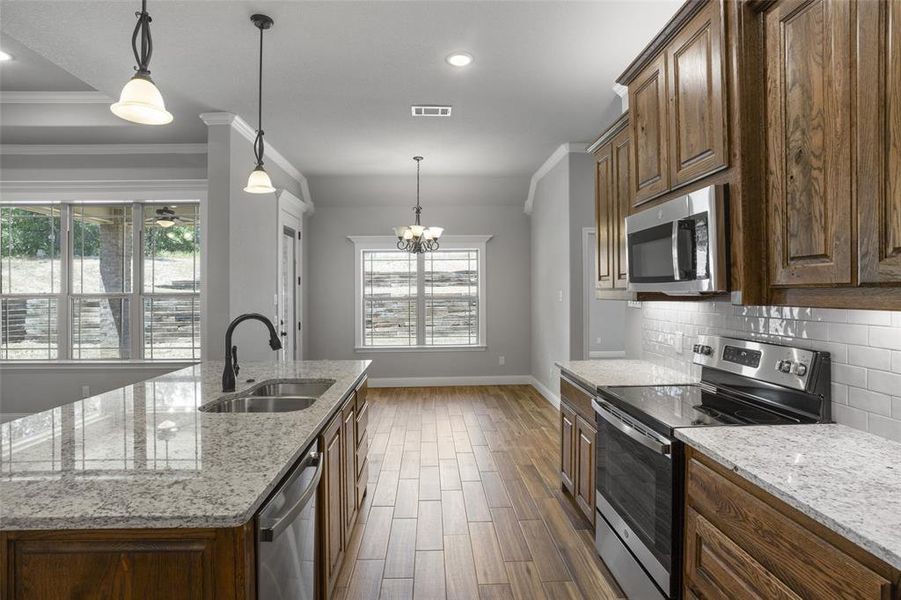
[282, 396]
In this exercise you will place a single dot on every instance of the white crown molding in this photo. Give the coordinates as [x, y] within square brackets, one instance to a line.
[381, 382]
[559, 154]
[99, 149]
[250, 134]
[54, 98]
[305, 205]
[131, 189]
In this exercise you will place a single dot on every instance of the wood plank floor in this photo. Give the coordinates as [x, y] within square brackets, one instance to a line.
[465, 502]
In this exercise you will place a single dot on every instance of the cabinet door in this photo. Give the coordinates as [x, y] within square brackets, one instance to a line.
[718, 569]
[348, 460]
[620, 148]
[585, 438]
[331, 500]
[697, 111]
[603, 215]
[567, 446]
[808, 62]
[647, 113]
[879, 142]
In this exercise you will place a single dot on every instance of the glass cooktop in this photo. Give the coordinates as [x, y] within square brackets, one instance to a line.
[668, 407]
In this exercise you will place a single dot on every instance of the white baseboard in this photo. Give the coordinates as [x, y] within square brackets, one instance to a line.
[607, 354]
[381, 382]
[550, 396]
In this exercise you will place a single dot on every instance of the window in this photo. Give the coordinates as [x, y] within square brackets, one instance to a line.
[99, 281]
[433, 300]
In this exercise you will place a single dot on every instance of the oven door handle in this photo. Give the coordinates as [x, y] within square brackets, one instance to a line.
[625, 428]
[271, 530]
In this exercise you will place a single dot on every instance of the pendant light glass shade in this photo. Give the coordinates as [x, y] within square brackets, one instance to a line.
[417, 238]
[259, 182]
[141, 102]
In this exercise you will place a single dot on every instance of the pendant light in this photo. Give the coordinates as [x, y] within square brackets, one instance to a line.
[140, 100]
[259, 182]
[166, 217]
[417, 239]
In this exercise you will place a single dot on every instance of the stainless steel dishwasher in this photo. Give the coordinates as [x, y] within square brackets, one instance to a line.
[287, 534]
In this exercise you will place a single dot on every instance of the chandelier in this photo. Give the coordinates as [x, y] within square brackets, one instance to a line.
[416, 238]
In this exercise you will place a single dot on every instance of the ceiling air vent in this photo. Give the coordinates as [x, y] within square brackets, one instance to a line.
[430, 111]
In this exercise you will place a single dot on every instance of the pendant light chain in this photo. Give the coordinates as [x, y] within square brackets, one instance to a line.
[142, 27]
[258, 146]
[418, 209]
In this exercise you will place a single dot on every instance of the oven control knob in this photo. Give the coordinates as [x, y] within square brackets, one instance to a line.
[785, 366]
[706, 350]
[801, 370]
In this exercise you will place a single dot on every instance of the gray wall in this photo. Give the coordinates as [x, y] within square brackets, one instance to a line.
[331, 276]
[551, 290]
[581, 214]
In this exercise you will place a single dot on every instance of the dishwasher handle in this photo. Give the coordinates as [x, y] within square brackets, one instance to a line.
[274, 527]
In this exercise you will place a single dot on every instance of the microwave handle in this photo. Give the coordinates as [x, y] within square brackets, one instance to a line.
[682, 264]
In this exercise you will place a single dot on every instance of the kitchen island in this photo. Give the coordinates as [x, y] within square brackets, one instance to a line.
[138, 488]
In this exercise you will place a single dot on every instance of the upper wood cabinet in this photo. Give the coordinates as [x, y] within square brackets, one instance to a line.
[697, 110]
[647, 109]
[677, 102]
[603, 216]
[808, 142]
[612, 151]
[878, 145]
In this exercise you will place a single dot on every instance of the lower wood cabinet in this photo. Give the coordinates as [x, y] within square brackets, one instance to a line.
[128, 563]
[741, 542]
[577, 446]
[345, 442]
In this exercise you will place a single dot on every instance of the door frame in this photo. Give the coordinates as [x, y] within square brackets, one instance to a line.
[291, 210]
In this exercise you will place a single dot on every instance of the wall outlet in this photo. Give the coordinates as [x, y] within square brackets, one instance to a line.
[85, 391]
[633, 304]
[598, 340]
[559, 295]
[501, 360]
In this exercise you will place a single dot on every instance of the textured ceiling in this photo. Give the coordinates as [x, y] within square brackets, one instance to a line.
[340, 76]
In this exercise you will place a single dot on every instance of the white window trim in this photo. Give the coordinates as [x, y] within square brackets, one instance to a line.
[448, 242]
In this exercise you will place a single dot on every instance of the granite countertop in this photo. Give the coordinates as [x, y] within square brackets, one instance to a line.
[610, 372]
[144, 456]
[845, 479]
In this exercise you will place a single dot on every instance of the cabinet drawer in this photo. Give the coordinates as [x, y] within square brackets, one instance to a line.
[362, 424]
[577, 398]
[361, 453]
[805, 563]
[363, 395]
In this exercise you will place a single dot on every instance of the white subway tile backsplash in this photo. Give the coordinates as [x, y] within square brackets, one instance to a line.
[871, 358]
[886, 337]
[882, 381]
[872, 402]
[865, 347]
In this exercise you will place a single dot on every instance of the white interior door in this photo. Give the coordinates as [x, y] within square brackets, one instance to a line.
[290, 280]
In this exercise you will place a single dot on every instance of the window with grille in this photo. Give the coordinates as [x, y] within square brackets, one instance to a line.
[99, 281]
[430, 300]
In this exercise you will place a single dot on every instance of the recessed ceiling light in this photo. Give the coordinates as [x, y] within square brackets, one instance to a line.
[459, 59]
[5, 56]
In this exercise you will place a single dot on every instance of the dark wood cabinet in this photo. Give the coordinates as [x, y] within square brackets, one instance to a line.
[612, 204]
[349, 462]
[577, 446]
[741, 542]
[697, 107]
[808, 142]
[648, 116]
[330, 501]
[567, 447]
[604, 216]
[585, 490]
[878, 130]
[127, 563]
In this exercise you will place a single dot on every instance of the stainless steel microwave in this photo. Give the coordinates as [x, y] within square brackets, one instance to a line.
[679, 247]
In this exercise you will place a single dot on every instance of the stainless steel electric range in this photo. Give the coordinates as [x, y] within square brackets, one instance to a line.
[639, 462]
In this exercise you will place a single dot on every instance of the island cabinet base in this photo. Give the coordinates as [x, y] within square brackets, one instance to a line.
[128, 564]
[742, 542]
